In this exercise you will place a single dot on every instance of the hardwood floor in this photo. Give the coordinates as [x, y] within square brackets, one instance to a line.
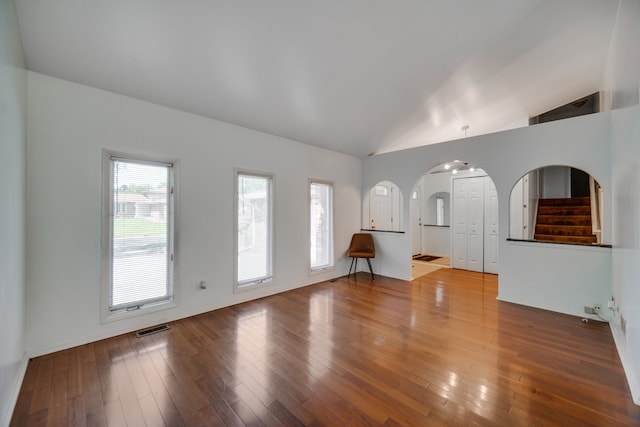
[440, 350]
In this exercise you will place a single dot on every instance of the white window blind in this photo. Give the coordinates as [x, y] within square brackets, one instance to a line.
[141, 231]
[254, 229]
[321, 225]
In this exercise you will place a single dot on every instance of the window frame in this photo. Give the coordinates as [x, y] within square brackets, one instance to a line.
[269, 278]
[106, 313]
[332, 265]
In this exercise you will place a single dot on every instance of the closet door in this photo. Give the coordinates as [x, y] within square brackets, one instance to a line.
[459, 226]
[475, 224]
[490, 226]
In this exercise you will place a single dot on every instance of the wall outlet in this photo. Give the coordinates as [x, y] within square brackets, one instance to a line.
[597, 308]
[589, 310]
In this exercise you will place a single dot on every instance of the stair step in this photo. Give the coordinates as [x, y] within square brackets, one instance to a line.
[564, 230]
[566, 239]
[564, 220]
[564, 210]
[573, 201]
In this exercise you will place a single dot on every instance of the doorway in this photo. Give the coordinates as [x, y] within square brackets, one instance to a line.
[454, 217]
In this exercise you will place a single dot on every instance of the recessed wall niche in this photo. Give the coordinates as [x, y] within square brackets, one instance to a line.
[557, 204]
[382, 208]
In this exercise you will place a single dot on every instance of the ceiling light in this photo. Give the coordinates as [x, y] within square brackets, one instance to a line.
[455, 171]
[472, 169]
[447, 167]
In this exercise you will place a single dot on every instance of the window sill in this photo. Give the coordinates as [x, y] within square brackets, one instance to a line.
[321, 270]
[115, 316]
[246, 287]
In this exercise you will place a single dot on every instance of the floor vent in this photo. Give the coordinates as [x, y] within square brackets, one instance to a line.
[152, 330]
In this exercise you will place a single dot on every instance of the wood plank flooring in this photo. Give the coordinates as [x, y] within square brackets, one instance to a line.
[440, 350]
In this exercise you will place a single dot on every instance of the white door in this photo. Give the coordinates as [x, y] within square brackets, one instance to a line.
[416, 221]
[516, 214]
[475, 224]
[526, 209]
[380, 207]
[459, 226]
[490, 227]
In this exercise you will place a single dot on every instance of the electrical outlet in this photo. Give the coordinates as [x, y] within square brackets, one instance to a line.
[597, 308]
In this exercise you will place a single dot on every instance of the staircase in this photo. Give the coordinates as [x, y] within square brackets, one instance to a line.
[565, 221]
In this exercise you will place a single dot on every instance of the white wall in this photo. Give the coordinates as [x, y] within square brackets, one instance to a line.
[555, 182]
[622, 83]
[436, 240]
[70, 124]
[506, 157]
[626, 241]
[13, 142]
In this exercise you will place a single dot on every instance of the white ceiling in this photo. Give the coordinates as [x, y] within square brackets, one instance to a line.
[355, 76]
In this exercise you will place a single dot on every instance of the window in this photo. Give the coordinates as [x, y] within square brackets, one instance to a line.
[381, 190]
[439, 211]
[321, 225]
[254, 229]
[138, 234]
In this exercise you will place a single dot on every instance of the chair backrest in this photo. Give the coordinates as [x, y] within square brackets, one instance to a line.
[362, 246]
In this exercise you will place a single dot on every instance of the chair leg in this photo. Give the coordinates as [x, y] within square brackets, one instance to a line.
[371, 269]
[351, 266]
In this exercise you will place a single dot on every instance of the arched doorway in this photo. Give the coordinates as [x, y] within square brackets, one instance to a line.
[382, 207]
[558, 204]
[457, 217]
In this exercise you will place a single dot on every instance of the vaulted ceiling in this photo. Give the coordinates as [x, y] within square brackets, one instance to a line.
[355, 76]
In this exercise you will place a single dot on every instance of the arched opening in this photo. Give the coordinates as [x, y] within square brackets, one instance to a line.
[455, 222]
[382, 208]
[557, 204]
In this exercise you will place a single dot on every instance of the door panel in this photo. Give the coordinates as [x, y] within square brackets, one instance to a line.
[475, 226]
[491, 227]
[459, 224]
[475, 218]
[380, 200]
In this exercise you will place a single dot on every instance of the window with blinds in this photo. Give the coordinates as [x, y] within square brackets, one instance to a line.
[254, 229]
[141, 234]
[321, 225]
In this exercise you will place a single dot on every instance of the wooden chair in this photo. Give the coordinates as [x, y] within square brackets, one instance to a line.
[362, 246]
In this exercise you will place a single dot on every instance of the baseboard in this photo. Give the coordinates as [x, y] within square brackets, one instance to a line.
[562, 310]
[15, 391]
[627, 366]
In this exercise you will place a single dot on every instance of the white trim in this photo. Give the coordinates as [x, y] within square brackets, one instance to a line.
[627, 366]
[108, 156]
[15, 390]
[269, 280]
[319, 270]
